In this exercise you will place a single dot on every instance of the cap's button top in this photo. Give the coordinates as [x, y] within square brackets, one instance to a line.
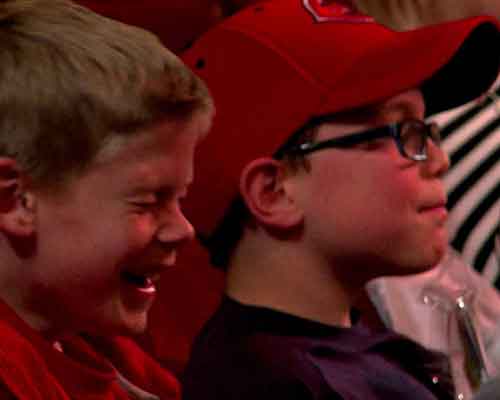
[200, 63]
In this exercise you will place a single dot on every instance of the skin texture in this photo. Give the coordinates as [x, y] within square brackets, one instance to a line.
[375, 196]
[354, 214]
[121, 216]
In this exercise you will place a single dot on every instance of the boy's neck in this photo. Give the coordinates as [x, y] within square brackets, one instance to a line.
[17, 292]
[283, 277]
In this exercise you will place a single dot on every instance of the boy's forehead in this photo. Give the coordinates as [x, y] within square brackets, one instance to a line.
[160, 137]
[407, 104]
[152, 160]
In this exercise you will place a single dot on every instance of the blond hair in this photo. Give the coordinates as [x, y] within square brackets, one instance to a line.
[71, 79]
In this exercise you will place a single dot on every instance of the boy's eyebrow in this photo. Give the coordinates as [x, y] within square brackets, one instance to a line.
[147, 187]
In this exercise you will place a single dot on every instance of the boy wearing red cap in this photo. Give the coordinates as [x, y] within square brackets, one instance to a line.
[321, 175]
[98, 127]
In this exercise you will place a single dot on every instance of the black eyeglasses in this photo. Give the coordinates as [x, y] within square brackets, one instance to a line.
[410, 137]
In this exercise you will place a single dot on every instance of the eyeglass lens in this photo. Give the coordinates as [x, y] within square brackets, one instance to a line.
[414, 134]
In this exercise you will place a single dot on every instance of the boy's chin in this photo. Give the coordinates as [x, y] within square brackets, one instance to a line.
[437, 253]
[408, 263]
[127, 327]
[423, 261]
[132, 328]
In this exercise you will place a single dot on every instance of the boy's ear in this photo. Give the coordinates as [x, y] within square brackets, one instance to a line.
[262, 186]
[17, 204]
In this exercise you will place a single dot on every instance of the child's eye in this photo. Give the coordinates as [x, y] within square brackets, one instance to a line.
[145, 202]
[143, 208]
[155, 200]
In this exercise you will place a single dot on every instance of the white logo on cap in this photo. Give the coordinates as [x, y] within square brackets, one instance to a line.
[335, 11]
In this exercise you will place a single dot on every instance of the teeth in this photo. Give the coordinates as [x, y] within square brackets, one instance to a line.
[150, 288]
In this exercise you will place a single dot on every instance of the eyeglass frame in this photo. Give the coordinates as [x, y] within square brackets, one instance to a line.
[394, 130]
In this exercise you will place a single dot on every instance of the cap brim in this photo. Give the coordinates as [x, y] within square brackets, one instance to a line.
[458, 66]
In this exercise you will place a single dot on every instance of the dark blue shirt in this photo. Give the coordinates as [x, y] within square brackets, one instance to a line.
[247, 352]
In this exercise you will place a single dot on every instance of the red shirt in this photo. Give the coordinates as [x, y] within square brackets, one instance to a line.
[32, 369]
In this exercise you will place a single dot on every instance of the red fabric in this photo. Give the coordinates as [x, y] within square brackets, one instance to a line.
[137, 366]
[175, 22]
[31, 369]
[187, 296]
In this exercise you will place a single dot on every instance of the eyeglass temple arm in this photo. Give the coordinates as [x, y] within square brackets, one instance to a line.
[345, 141]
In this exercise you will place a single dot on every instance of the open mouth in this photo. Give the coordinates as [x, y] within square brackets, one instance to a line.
[143, 282]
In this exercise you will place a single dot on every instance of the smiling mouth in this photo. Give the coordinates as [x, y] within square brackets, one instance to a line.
[143, 282]
[439, 210]
[435, 207]
[440, 204]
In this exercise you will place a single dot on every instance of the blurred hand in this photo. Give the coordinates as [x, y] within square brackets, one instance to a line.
[410, 14]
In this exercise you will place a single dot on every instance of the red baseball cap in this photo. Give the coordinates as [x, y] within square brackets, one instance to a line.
[276, 64]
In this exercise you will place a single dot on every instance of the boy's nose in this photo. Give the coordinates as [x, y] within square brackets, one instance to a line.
[437, 162]
[176, 229]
